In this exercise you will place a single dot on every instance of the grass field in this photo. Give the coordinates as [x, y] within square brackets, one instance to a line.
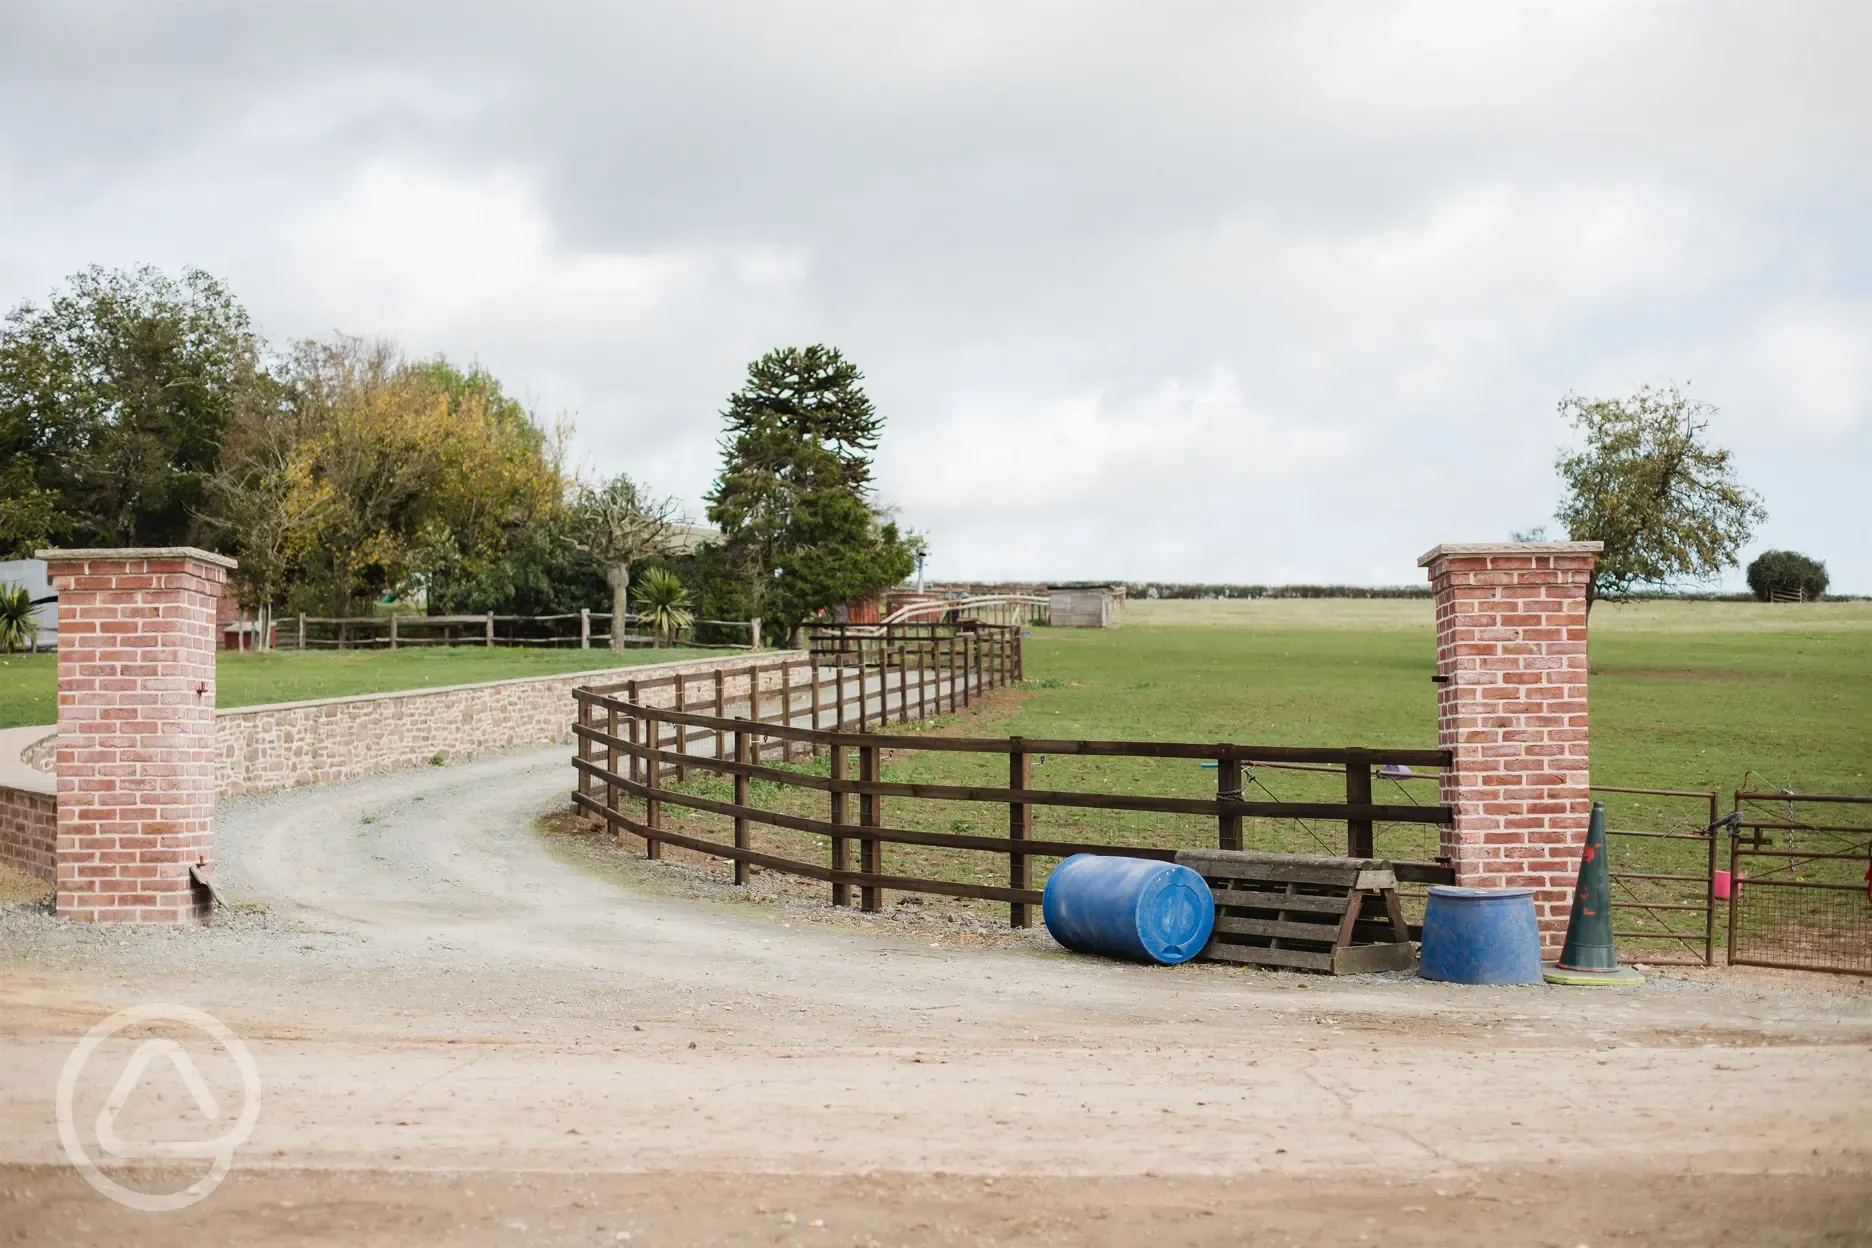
[1684, 696]
[27, 680]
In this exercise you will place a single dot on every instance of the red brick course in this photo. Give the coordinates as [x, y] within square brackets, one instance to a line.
[1511, 655]
[136, 735]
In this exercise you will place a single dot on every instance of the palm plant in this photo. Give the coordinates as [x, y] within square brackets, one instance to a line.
[663, 604]
[18, 629]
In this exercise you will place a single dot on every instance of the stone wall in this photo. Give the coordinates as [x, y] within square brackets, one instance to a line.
[263, 749]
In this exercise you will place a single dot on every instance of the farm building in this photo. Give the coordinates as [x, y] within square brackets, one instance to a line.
[1084, 606]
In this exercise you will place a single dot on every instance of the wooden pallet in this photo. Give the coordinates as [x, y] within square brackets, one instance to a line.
[1338, 915]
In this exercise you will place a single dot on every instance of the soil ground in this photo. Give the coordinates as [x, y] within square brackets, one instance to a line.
[471, 1032]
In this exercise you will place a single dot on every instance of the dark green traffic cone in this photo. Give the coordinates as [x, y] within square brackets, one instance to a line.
[1590, 956]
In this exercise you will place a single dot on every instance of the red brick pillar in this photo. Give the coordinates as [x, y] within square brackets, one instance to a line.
[1511, 704]
[136, 704]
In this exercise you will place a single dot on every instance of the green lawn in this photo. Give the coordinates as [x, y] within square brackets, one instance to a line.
[26, 680]
[1684, 696]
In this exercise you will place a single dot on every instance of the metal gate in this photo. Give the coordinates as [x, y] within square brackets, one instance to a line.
[1800, 891]
[1663, 852]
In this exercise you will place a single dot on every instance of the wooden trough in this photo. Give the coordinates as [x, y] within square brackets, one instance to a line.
[1338, 915]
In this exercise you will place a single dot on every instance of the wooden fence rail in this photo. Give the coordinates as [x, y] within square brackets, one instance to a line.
[628, 749]
[584, 629]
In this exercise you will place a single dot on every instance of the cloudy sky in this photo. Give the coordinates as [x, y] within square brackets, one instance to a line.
[1219, 291]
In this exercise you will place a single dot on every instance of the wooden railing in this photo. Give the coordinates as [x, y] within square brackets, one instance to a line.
[994, 608]
[629, 750]
[584, 629]
[990, 653]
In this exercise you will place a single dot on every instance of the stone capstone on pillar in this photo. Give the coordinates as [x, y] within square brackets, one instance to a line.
[136, 731]
[1512, 708]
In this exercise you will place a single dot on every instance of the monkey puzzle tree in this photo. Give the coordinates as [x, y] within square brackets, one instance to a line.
[793, 499]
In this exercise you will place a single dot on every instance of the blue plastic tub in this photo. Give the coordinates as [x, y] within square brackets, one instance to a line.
[1136, 908]
[1480, 936]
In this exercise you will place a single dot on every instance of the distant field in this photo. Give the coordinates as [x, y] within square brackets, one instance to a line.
[1684, 696]
[27, 694]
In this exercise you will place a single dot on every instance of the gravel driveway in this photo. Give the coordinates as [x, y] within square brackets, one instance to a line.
[432, 994]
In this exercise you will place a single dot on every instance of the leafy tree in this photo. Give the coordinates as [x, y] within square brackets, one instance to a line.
[793, 499]
[115, 398]
[1785, 571]
[664, 604]
[415, 476]
[1647, 484]
[541, 572]
[619, 524]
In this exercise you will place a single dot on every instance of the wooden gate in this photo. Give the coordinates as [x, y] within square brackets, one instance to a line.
[1800, 895]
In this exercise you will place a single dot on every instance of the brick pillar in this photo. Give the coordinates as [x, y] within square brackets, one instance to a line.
[136, 703]
[1511, 704]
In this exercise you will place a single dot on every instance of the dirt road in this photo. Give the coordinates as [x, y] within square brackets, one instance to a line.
[462, 1035]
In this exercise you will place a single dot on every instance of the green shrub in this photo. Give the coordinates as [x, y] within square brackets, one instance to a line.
[1785, 572]
[18, 628]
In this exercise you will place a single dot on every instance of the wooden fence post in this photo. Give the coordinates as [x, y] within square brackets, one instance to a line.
[302, 630]
[653, 809]
[922, 685]
[815, 704]
[393, 630]
[754, 633]
[490, 628]
[863, 696]
[1020, 819]
[786, 708]
[1228, 788]
[721, 710]
[682, 729]
[1358, 793]
[636, 764]
[583, 746]
[841, 861]
[741, 799]
[839, 700]
[870, 815]
[1020, 672]
[584, 628]
[611, 789]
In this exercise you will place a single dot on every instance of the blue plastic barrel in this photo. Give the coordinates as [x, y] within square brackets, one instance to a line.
[1128, 908]
[1481, 936]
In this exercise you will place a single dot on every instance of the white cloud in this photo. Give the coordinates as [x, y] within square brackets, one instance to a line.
[1807, 367]
[1200, 290]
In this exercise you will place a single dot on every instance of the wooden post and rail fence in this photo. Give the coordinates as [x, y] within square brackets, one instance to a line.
[583, 629]
[859, 676]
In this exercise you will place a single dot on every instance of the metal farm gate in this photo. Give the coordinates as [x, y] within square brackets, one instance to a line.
[1800, 892]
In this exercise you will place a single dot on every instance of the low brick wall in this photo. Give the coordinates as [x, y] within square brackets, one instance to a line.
[28, 830]
[28, 802]
[264, 749]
